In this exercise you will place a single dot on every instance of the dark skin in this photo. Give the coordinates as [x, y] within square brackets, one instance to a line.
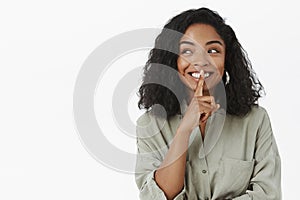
[204, 96]
[199, 93]
[200, 66]
[201, 48]
[170, 175]
[202, 128]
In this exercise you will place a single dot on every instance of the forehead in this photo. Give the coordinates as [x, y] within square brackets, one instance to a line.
[201, 33]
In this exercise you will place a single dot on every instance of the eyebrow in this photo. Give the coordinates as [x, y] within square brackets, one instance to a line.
[214, 41]
[187, 42]
[207, 43]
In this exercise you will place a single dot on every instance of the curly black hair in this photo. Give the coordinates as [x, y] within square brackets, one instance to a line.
[162, 87]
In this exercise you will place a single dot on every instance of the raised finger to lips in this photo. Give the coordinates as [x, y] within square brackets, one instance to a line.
[199, 88]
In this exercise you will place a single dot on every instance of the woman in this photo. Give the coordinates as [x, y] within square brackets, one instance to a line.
[200, 139]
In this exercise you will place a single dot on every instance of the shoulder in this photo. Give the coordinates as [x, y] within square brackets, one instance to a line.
[256, 112]
[143, 119]
[260, 115]
[148, 118]
[257, 117]
[148, 125]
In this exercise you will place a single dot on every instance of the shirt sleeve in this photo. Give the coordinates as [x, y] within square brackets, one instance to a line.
[148, 160]
[266, 179]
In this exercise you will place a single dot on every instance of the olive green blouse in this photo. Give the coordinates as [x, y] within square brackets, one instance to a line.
[238, 158]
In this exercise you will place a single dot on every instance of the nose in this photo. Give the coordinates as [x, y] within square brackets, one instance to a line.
[203, 64]
[201, 59]
[200, 63]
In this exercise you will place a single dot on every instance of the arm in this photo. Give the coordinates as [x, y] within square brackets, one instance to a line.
[170, 175]
[166, 178]
[152, 168]
[266, 179]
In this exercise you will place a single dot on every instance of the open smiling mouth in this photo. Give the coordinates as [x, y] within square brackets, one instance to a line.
[196, 75]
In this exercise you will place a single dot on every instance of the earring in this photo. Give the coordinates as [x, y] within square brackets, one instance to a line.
[227, 78]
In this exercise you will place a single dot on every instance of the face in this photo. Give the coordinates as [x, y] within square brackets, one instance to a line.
[201, 48]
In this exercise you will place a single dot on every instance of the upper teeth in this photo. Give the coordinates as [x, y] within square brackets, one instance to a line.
[197, 75]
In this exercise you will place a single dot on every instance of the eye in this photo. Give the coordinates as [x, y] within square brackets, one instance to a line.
[186, 52]
[213, 51]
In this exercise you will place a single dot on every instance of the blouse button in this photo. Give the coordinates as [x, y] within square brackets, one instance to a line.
[204, 171]
[206, 198]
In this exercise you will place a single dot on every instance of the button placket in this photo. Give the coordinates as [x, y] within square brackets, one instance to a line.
[205, 178]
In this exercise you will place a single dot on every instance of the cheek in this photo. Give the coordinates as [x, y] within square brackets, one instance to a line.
[220, 66]
[182, 65]
[221, 70]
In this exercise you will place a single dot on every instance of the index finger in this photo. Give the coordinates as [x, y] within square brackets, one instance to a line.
[199, 87]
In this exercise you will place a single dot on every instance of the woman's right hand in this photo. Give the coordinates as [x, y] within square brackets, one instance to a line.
[199, 109]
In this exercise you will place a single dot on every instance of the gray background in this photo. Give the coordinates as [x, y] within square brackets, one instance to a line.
[43, 46]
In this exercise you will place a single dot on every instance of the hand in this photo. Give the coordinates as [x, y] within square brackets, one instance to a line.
[199, 109]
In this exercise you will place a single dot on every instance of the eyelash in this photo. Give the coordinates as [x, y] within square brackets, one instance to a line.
[184, 51]
[217, 51]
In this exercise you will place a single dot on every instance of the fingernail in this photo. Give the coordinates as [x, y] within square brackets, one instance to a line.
[201, 72]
